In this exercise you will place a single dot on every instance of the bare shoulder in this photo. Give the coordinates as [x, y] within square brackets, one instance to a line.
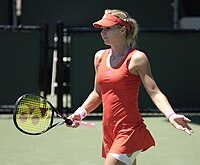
[139, 56]
[138, 60]
[97, 56]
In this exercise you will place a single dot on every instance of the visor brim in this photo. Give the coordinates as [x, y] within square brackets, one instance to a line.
[104, 22]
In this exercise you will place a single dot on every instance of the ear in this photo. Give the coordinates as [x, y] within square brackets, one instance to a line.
[123, 29]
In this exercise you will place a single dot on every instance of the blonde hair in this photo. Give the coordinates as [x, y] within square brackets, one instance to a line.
[132, 33]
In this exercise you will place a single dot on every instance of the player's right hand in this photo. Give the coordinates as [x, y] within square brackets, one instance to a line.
[75, 118]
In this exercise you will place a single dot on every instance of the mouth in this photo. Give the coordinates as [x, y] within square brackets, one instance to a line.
[105, 38]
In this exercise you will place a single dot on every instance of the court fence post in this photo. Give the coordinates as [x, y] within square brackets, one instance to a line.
[60, 66]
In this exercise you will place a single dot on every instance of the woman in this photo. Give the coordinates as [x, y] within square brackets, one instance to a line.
[119, 72]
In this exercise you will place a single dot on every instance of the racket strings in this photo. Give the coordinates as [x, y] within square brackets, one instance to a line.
[34, 114]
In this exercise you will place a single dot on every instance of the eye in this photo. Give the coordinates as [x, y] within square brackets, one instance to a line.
[106, 28]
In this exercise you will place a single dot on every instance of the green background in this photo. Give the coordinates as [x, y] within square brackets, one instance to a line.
[82, 146]
[174, 56]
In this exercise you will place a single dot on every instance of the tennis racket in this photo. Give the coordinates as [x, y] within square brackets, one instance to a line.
[34, 115]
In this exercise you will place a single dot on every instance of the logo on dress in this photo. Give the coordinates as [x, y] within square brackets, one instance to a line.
[107, 72]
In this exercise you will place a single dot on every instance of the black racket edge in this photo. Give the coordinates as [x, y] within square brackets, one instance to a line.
[15, 114]
[66, 120]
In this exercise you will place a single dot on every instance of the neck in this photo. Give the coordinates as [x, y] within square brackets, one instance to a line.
[120, 51]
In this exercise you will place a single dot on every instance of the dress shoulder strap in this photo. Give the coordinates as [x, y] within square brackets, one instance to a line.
[104, 54]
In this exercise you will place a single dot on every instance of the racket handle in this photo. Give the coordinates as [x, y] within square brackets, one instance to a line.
[68, 122]
[82, 123]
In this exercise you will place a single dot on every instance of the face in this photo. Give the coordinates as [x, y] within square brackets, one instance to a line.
[110, 34]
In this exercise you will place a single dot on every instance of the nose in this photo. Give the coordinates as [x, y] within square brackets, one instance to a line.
[103, 31]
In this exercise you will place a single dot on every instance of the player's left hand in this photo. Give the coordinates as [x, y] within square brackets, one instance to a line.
[180, 122]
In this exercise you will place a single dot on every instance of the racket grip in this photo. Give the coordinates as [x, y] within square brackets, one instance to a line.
[68, 122]
[87, 124]
[82, 123]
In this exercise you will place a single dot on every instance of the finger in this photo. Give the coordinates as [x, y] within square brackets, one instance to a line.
[183, 129]
[189, 132]
[189, 128]
[75, 124]
[186, 129]
[186, 126]
[186, 119]
[180, 127]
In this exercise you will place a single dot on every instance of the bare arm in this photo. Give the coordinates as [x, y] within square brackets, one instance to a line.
[140, 65]
[92, 101]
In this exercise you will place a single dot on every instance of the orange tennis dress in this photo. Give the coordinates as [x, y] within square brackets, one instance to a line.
[124, 131]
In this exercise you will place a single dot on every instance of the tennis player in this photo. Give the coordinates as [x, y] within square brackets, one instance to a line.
[119, 73]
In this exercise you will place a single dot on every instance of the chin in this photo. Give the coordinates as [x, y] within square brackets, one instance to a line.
[106, 42]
